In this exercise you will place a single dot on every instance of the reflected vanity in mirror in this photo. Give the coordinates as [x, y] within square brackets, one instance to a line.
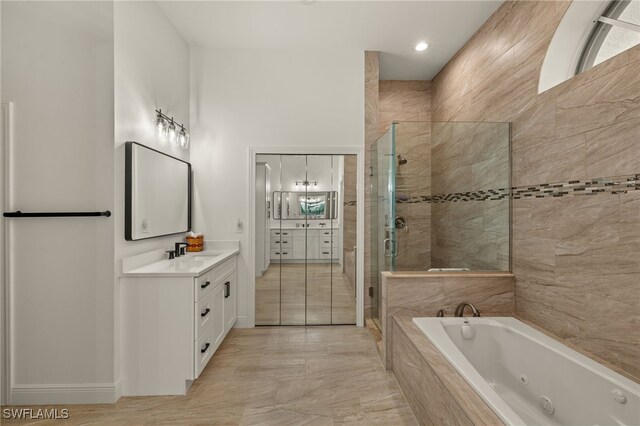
[296, 205]
[157, 193]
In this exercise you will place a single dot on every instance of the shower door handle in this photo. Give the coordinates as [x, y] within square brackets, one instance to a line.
[390, 248]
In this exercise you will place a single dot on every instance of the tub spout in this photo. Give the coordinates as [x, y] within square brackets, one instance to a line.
[460, 309]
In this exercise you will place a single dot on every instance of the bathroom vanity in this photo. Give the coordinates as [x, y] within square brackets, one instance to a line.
[175, 314]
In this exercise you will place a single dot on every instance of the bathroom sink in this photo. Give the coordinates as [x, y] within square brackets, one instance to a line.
[204, 257]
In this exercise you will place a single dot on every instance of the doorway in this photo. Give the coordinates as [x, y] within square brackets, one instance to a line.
[305, 239]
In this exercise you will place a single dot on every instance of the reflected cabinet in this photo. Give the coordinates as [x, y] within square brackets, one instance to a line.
[306, 223]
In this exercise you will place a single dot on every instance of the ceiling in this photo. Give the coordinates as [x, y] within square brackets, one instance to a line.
[391, 27]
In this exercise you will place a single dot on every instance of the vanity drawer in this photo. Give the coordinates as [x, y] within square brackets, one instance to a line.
[328, 242]
[204, 313]
[204, 285]
[281, 254]
[277, 233]
[283, 243]
[325, 253]
[204, 348]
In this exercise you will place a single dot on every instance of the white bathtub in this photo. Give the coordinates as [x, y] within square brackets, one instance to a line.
[516, 370]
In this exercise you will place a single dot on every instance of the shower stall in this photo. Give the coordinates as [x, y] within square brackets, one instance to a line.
[440, 198]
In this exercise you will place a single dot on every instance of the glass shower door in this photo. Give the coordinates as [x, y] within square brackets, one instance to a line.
[383, 191]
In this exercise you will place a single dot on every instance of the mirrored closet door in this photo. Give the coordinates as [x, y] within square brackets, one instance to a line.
[305, 239]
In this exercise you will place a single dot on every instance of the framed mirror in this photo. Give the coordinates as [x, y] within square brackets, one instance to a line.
[157, 193]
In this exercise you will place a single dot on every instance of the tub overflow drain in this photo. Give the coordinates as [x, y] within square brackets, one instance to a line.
[618, 396]
[525, 380]
[546, 404]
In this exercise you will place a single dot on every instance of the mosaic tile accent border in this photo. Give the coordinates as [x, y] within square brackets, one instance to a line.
[608, 185]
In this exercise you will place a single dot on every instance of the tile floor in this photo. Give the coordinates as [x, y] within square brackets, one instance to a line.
[281, 297]
[272, 376]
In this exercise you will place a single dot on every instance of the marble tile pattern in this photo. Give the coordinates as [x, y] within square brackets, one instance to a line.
[436, 392]
[470, 158]
[271, 376]
[409, 103]
[413, 142]
[403, 100]
[424, 293]
[371, 134]
[350, 198]
[575, 259]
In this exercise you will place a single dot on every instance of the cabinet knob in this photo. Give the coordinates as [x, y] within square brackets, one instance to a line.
[206, 311]
[206, 284]
[204, 348]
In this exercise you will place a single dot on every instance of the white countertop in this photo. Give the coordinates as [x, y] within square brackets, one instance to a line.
[156, 263]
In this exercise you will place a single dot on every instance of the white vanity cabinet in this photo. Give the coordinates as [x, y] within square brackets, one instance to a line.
[172, 325]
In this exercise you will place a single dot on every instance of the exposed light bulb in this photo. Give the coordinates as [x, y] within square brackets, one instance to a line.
[183, 138]
[161, 126]
[172, 131]
[421, 46]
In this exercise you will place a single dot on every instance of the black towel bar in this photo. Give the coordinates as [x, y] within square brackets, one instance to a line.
[56, 214]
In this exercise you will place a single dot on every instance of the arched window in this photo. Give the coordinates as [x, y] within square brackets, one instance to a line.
[616, 30]
[590, 32]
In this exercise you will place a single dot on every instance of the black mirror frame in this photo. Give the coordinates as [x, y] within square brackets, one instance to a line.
[128, 193]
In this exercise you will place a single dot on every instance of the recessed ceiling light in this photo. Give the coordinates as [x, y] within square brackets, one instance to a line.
[421, 46]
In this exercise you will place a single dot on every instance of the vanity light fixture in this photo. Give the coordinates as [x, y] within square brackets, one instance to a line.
[306, 183]
[167, 128]
[421, 46]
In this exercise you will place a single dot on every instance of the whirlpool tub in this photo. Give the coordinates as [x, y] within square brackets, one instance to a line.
[528, 378]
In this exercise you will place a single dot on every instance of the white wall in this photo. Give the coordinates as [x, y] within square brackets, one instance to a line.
[151, 72]
[57, 69]
[252, 98]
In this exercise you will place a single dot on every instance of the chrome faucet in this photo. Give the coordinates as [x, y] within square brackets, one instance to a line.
[460, 309]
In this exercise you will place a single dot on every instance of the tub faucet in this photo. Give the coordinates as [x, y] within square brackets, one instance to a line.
[460, 309]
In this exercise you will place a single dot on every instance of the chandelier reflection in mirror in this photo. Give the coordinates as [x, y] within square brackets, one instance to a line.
[168, 129]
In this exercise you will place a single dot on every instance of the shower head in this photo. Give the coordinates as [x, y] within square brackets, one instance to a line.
[401, 159]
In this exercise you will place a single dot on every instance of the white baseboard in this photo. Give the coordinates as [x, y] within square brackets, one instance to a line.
[242, 322]
[92, 393]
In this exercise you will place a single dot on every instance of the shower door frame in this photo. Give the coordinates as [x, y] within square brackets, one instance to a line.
[254, 151]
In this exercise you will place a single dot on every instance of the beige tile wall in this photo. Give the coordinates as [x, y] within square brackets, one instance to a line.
[575, 259]
[350, 216]
[409, 102]
[371, 84]
[423, 294]
[402, 100]
[470, 157]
